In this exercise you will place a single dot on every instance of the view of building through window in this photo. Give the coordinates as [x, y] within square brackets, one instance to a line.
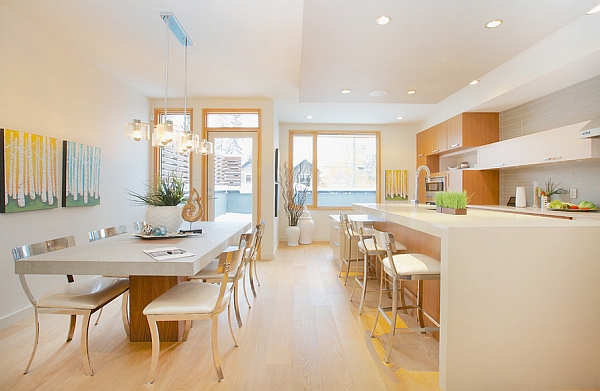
[346, 169]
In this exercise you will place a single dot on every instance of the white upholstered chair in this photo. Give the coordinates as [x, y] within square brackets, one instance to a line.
[103, 234]
[75, 298]
[211, 272]
[398, 268]
[196, 301]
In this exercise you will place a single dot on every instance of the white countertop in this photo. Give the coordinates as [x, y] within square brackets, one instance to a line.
[594, 215]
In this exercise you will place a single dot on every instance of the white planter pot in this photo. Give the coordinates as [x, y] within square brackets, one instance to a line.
[167, 216]
[307, 226]
[293, 234]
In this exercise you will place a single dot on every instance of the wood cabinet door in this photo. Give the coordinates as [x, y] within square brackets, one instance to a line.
[455, 132]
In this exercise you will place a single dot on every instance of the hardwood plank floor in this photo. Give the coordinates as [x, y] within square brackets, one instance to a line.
[302, 333]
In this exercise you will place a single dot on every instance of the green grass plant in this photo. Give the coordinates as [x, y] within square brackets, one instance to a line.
[452, 199]
[165, 191]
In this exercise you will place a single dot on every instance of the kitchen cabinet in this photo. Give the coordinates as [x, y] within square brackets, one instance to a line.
[560, 144]
[483, 187]
[506, 153]
[337, 237]
[422, 149]
[468, 130]
[438, 138]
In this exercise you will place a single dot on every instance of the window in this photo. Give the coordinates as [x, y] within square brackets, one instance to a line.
[345, 167]
[169, 162]
[232, 120]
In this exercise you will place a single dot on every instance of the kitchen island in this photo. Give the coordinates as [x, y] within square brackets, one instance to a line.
[519, 297]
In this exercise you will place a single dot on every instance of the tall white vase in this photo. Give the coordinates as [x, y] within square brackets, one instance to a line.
[167, 216]
[307, 226]
[293, 234]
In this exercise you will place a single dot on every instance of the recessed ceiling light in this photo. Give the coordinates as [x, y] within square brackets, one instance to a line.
[377, 93]
[346, 91]
[309, 117]
[383, 20]
[493, 23]
[410, 92]
[399, 117]
[474, 82]
[594, 10]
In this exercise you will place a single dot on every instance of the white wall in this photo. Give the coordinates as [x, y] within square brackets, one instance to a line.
[49, 90]
[398, 152]
[268, 143]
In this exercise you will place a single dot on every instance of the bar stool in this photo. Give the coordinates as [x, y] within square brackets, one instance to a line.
[405, 267]
[367, 246]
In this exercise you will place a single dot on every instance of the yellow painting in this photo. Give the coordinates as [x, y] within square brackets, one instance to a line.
[396, 185]
[30, 171]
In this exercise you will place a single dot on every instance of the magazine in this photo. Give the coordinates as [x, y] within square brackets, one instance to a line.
[167, 253]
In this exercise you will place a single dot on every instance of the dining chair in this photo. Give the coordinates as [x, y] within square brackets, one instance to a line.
[103, 234]
[395, 269]
[368, 246]
[193, 300]
[211, 272]
[260, 229]
[74, 298]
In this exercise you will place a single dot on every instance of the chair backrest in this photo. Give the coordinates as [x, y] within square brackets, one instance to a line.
[251, 239]
[230, 261]
[345, 224]
[47, 246]
[106, 232]
[30, 250]
[386, 240]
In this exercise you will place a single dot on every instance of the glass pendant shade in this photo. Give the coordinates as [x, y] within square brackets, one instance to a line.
[137, 130]
[163, 134]
[205, 147]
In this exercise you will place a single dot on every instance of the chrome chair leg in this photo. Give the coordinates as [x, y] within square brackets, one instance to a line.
[35, 342]
[215, 346]
[124, 312]
[230, 327]
[98, 318]
[72, 328]
[84, 343]
[388, 350]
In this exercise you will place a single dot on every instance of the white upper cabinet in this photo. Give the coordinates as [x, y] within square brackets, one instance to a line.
[554, 145]
[506, 153]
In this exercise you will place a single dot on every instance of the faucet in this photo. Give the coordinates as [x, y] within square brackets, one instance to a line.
[416, 193]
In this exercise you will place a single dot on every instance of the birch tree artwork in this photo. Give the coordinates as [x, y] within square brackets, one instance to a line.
[396, 185]
[30, 172]
[81, 174]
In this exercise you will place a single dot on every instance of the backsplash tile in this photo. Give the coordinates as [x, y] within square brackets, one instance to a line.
[577, 103]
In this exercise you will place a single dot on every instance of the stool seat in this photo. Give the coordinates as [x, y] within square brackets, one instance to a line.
[413, 267]
[371, 247]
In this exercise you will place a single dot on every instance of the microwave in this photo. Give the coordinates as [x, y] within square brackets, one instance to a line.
[434, 185]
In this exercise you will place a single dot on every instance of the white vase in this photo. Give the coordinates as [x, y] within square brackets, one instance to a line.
[167, 216]
[293, 234]
[307, 226]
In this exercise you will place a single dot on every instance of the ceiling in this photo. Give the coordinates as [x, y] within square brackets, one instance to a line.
[302, 54]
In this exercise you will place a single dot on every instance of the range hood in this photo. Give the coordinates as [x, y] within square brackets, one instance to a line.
[592, 129]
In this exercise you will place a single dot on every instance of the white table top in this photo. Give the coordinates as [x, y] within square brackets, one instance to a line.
[123, 255]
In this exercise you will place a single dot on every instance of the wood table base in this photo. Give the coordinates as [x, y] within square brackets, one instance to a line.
[142, 290]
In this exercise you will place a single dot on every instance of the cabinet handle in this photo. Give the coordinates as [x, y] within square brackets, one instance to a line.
[455, 145]
[498, 165]
[435, 151]
[421, 155]
[545, 159]
[336, 244]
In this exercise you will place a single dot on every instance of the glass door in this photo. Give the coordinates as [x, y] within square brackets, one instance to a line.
[232, 185]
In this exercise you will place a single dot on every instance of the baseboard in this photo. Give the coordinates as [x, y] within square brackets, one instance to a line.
[16, 317]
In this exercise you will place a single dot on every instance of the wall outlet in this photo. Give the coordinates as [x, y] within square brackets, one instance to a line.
[573, 193]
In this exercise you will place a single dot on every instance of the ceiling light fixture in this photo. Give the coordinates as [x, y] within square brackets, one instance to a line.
[594, 10]
[377, 93]
[400, 118]
[165, 135]
[383, 20]
[346, 91]
[493, 24]
[474, 82]
[410, 92]
[309, 117]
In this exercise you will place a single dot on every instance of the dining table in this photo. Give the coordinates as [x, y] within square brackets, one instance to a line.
[124, 256]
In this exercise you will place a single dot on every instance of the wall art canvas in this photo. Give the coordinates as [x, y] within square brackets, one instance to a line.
[396, 185]
[29, 167]
[81, 174]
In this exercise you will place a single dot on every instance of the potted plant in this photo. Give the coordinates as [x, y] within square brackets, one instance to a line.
[163, 198]
[451, 202]
[552, 189]
[294, 186]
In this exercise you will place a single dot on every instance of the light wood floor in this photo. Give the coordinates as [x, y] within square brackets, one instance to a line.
[302, 333]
